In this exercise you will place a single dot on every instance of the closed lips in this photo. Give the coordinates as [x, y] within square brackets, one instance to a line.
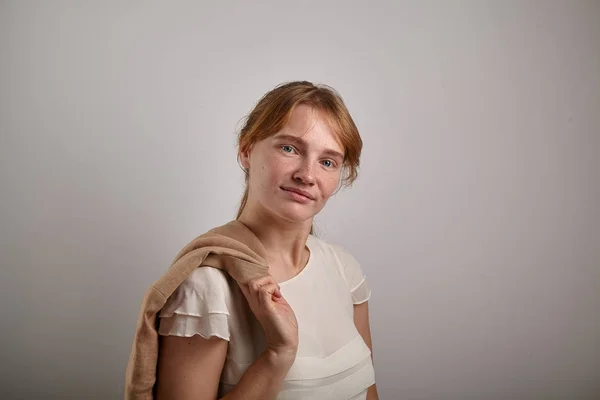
[301, 192]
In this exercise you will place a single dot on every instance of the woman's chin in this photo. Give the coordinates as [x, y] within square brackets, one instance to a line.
[296, 215]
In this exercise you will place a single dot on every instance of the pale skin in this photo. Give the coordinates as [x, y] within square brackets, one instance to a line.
[305, 154]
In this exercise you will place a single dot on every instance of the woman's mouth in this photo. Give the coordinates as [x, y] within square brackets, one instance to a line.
[298, 194]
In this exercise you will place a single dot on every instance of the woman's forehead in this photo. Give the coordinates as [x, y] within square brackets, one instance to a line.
[308, 125]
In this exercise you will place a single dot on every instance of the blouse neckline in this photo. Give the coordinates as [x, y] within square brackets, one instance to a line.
[306, 266]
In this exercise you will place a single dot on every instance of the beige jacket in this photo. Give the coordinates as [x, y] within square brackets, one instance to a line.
[232, 248]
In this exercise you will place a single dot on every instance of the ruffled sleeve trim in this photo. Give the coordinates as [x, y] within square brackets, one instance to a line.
[361, 293]
[198, 306]
[188, 326]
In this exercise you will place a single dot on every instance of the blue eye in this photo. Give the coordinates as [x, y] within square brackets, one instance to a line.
[330, 163]
[285, 148]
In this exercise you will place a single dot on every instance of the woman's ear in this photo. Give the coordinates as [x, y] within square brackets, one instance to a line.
[244, 157]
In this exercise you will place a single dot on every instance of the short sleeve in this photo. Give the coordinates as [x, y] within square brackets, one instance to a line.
[199, 306]
[353, 275]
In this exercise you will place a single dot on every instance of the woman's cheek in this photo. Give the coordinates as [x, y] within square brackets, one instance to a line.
[278, 163]
[330, 185]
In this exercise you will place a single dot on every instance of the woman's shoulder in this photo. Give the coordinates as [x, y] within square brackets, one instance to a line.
[206, 290]
[346, 264]
[331, 249]
[205, 274]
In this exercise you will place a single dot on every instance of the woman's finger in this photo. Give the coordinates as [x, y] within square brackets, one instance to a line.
[265, 287]
[266, 291]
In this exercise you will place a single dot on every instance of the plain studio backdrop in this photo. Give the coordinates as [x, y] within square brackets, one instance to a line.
[475, 217]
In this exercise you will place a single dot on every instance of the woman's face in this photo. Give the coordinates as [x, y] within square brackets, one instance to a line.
[294, 172]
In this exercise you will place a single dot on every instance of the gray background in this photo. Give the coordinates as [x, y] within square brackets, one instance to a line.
[475, 217]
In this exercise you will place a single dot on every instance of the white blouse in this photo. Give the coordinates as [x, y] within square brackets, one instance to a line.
[332, 362]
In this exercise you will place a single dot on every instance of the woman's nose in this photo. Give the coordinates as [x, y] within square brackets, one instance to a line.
[305, 173]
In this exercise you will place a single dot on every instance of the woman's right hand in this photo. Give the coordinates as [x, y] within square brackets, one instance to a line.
[274, 314]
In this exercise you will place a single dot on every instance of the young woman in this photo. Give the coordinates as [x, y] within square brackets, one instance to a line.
[302, 332]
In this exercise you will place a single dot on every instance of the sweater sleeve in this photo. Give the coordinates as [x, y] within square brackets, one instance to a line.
[199, 306]
[353, 275]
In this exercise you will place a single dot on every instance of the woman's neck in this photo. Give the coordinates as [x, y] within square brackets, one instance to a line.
[284, 241]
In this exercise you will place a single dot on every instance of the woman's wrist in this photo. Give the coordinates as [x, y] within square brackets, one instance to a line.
[280, 358]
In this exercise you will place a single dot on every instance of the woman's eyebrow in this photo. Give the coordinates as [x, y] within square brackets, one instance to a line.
[290, 138]
[301, 141]
[335, 154]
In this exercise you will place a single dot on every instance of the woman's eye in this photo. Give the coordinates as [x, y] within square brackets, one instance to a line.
[287, 149]
[328, 163]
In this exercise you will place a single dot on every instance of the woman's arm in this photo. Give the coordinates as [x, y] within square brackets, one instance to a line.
[361, 320]
[264, 378]
[190, 368]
